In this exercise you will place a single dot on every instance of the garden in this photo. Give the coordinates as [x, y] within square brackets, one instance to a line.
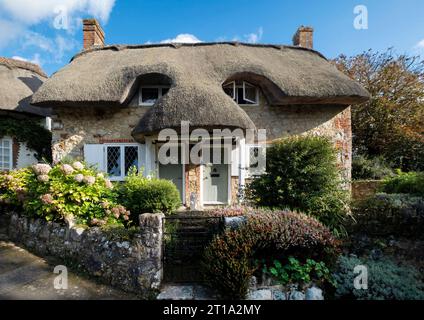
[300, 229]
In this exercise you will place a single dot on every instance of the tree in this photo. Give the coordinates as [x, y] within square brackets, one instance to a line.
[391, 124]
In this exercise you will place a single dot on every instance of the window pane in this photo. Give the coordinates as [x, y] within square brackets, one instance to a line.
[149, 95]
[6, 143]
[164, 91]
[114, 161]
[229, 90]
[257, 157]
[131, 158]
[249, 93]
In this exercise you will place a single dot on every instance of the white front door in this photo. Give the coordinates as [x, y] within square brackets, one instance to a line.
[215, 183]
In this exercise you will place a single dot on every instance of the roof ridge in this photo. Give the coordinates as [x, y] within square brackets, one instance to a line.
[175, 45]
[14, 63]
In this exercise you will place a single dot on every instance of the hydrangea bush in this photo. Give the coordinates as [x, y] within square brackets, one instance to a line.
[71, 192]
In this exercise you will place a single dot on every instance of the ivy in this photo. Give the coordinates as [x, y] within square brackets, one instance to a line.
[30, 131]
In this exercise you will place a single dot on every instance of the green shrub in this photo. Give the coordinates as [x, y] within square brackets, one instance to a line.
[364, 168]
[302, 175]
[228, 261]
[390, 214]
[296, 272]
[411, 183]
[63, 192]
[149, 195]
[386, 280]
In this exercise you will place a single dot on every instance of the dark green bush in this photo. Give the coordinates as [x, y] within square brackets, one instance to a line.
[386, 280]
[411, 183]
[390, 214]
[302, 175]
[364, 168]
[148, 195]
[228, 261]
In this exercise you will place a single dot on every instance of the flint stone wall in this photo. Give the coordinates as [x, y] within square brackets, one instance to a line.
[134, 265]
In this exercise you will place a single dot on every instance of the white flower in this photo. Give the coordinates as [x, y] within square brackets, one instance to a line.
[100, 175]
[79, 177]
[43, 178]
[78, 165]
[90, 180]
[66, 169]
[41, 169]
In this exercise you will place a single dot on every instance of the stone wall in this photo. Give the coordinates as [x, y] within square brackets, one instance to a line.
[362, 189]
[132, 263]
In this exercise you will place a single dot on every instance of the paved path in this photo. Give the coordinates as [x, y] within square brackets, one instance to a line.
[26, 276]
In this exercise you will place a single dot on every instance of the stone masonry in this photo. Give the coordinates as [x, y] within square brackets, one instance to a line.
[132, 263]
[78, 126]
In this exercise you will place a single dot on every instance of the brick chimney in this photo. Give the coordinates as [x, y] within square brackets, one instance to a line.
[304, 37]
[93, 33]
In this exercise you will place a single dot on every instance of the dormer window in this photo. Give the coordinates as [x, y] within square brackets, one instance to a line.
[242, 92]
[149, 95]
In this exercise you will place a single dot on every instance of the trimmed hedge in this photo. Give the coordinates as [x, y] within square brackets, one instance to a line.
[228, 262]
[302, 175]
[148, 195]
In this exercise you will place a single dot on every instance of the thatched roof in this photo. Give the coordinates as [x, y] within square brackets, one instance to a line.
[110, 76]
[18, 81]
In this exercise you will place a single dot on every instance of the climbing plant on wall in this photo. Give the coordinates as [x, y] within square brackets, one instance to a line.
[30, 131]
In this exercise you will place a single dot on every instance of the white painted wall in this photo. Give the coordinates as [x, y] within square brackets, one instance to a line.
[26, 156]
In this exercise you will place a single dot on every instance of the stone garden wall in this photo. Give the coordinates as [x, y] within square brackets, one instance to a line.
[362, 189]
[132, 262]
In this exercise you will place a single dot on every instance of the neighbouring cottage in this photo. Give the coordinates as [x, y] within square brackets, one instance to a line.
[18, 81]
[111, 102]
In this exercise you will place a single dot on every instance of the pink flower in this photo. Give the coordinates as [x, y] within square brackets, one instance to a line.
[79, 177]
[47, 198]
[66, 169]
[108, 184]
[43, 178]
[90, 180]
[78, 165]
[41, 169]
[8, 177]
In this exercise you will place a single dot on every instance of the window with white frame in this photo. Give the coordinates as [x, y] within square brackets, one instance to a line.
[149, 95]
[256, 160]
[242, 92]
[6, 160]
[119, 160]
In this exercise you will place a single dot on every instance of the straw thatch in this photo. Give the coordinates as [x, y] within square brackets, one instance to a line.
[18, 81]
[110, 76]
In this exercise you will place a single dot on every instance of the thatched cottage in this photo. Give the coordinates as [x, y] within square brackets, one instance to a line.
[18, 81]
[111, 102]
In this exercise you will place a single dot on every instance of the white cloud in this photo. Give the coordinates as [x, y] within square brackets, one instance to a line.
[183, 38]
[9, 32]
[35, 59]
[30, 12]
[420, 45]
[255, 37]
[56, 47]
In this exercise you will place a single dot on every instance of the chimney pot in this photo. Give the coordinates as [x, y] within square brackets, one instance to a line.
[93, 34]
[304, 37]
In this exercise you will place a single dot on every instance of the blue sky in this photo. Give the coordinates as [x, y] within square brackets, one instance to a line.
[48, 32]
